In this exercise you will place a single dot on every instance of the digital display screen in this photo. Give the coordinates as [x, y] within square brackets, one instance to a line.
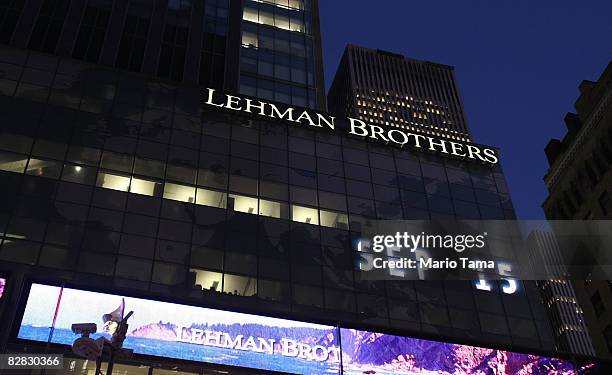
[252, 341]
[366, 352]
[2, 286]
[186, 332]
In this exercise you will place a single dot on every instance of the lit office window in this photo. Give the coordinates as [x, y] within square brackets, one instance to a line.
[304, 214]
[12, 162]
[113, 181]
[207, 280]
[273, 209]
[249, 39]
[145, 187]
[244, 204]
[250, 14]
[179, 192]
[211, 198]
[44, 168]
[239, 285]
[334, 219]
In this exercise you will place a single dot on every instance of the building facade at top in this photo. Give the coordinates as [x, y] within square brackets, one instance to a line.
[267, 49]
[129, 179]
[579, 183]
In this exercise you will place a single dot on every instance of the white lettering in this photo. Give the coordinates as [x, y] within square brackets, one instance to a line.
[276, 113]
[327, 122]
[209, 101]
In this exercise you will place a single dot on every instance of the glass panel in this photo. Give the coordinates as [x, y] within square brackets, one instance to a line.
[206, 177]
[84, 155]
[179, 192]
[182, 174]
[239, 285]
[250, 14]
[249, 39]
[211, 198]
[244, 204]
[207, 280]
[145, 187]
[334, 219]
[44, 168]
[266, 18]
[118, 162]
[297, 25]
[79, 174]
[113, 181]
[49, 149]
[304, 215]
[273, 209]
[148, 167]
[296, 4]
[282, 22]
[243, 184]
[14, 142]
[12, 162]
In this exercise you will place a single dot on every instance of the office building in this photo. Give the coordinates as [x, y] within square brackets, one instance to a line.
[578, 182]
[566, 316]
[230, 234]
[389, 89]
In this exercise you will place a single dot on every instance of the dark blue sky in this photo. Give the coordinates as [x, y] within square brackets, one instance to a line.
[518, 64]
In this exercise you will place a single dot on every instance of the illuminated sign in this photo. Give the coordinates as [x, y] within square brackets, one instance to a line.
[187, 332]
[358, 128]
[366, 352]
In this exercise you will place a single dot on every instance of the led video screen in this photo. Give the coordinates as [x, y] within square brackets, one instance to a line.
[186, 332]
[252, 341]
[366, 352]
[2, 286]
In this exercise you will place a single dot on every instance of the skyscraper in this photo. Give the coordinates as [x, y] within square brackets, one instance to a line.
[389, 89]
[566, 315]
[280, 57]
[578, 182]
[267, 49]
[226, 223]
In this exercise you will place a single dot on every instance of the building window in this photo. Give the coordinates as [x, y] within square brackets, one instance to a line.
[9, 14]
[49, 25]
[174, 42]
[91, 34]
[134, 38]
[598, 304]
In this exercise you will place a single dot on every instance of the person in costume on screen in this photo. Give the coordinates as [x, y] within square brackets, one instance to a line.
[116, 324]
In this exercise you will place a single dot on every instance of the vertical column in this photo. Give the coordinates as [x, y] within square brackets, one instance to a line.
[113, 33]
[65, 45]
[26, 23]
[154, 38]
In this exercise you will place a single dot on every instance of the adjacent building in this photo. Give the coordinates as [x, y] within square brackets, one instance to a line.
[566, 315]
[388, 89]
[579, 183]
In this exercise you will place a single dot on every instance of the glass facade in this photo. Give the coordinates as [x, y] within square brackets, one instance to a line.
[113, 180]
[277, 59]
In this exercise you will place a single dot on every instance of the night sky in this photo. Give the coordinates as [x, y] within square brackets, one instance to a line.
[518, 65]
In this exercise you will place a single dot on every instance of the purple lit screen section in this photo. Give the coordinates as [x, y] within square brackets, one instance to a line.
[2, 285]
[377, 353]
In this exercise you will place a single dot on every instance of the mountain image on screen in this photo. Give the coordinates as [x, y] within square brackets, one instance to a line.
[377, 353]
